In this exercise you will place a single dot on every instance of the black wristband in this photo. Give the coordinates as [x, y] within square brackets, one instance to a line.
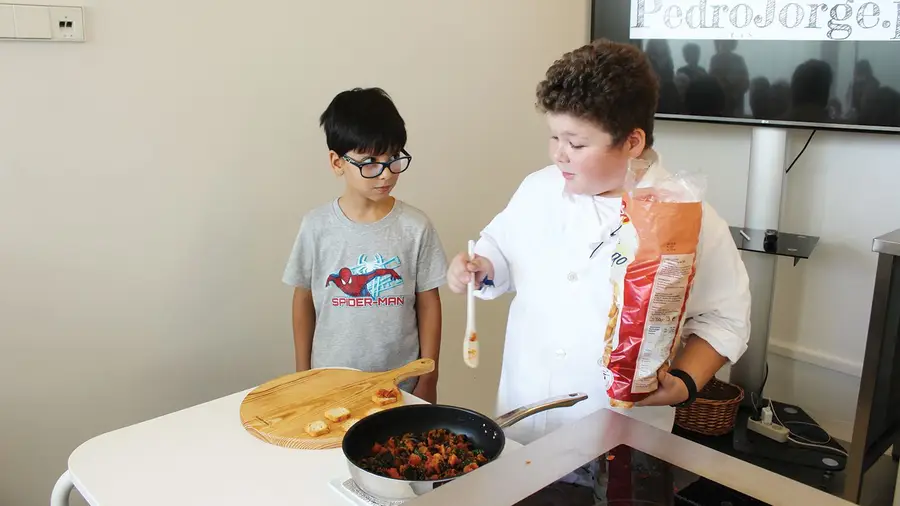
[689, 383]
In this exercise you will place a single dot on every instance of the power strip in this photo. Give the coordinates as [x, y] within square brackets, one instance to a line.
[772, 431]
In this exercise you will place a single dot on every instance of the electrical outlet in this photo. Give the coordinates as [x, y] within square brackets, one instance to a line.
[772, 431]
[67, 24]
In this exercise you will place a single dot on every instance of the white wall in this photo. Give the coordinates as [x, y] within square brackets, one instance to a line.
[152, 181]
[843, 190]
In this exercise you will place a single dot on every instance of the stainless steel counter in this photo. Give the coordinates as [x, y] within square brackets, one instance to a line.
[527, 470]
[888, 243]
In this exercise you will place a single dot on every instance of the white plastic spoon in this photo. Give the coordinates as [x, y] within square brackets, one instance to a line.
[470, 345]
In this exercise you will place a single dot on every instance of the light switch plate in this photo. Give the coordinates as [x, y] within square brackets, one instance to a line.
[32, 22]
[7, 22]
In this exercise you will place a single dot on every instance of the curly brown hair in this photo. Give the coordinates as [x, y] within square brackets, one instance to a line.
[608, 83]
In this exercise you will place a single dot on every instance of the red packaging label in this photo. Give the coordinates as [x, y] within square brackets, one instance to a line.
[651, 278]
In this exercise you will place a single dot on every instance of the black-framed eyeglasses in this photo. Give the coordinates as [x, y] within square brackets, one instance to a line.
[371, 170]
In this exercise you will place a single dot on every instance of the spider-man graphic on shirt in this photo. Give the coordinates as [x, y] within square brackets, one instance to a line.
[365, 282]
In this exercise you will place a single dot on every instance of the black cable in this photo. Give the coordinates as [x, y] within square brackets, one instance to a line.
[791, 166]
[613, 234]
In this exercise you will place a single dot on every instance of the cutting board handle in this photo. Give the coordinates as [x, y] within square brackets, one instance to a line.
[413, 369]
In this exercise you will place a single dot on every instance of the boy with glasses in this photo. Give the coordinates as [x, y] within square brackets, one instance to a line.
[366, 267]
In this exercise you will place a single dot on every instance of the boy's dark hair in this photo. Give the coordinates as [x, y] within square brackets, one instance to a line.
[691, 53]
[364, 120]
[811, 83]
[608, 83]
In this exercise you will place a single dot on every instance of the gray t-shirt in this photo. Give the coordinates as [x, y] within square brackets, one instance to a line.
[364, 278]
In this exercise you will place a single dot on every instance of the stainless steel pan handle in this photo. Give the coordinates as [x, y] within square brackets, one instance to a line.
[517, 415]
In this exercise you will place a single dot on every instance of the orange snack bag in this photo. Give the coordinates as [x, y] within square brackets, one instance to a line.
[651, 277]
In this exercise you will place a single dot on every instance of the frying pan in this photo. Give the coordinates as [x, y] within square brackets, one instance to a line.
[485, 433]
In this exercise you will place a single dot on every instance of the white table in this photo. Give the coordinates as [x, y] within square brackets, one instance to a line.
[201, 455]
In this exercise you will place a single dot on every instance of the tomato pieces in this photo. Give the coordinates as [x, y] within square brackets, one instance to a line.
[435, 455]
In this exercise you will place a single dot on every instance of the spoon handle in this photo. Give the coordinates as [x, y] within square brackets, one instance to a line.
[470, 344]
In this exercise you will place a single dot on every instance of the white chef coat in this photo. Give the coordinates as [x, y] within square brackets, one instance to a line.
[541, 246]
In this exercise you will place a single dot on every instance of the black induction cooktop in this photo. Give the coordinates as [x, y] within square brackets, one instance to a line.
[626, 476]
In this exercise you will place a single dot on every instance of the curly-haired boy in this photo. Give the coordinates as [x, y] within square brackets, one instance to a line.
[553, 246]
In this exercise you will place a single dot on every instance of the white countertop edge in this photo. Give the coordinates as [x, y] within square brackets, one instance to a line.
[83, 490]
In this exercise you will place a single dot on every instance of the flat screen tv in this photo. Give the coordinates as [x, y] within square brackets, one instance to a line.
[821, 84]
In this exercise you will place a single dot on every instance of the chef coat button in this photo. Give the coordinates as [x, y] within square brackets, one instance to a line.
[572, 277]
[561, 353]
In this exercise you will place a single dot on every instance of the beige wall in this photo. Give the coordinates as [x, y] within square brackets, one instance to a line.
[152, 180]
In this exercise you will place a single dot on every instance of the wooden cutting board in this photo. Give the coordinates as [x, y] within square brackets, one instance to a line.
[277, 412]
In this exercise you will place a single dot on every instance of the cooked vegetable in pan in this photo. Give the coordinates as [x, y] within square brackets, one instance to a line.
[435, 455]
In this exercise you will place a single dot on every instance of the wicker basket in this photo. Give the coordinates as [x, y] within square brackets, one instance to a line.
[714, 411]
